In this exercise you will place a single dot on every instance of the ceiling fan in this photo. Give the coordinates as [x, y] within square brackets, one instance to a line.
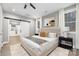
[25, 6]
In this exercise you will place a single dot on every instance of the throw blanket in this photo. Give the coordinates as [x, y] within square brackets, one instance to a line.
[37, 40]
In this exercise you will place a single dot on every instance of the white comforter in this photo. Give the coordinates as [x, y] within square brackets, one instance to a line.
[39, 48]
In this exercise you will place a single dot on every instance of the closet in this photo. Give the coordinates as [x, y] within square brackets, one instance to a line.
[25, 29]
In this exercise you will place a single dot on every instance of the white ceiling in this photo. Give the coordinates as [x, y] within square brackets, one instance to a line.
[42, 9]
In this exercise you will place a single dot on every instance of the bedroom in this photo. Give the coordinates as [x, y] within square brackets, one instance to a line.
[45, 24]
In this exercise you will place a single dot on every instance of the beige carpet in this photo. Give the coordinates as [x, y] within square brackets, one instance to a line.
[59, 52]
[17, 50]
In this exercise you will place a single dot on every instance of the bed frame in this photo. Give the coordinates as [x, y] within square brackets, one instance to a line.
[45, 53]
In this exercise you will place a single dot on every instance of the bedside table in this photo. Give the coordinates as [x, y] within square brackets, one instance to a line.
[36, 34]
[66, 42]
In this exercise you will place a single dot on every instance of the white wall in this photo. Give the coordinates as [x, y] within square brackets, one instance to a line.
[18, 29]
[77, 26]
[61, 20]
[1, 18]
[5, 30]
[25, 29]
[32, 27]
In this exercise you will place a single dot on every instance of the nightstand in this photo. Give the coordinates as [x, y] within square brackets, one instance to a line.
[36, 34]
[66, 42]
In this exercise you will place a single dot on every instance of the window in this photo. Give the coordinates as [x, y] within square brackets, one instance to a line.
[70, 20]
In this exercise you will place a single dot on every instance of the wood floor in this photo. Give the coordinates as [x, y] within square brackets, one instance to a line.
[13, 48]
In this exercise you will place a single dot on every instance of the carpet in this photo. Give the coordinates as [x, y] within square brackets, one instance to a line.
[17, 50]
[59, 52]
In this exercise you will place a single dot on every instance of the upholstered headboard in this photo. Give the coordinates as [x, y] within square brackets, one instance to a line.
[51, 29]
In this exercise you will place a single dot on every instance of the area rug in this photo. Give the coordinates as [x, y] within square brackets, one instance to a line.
[59, 52]
[17, 50]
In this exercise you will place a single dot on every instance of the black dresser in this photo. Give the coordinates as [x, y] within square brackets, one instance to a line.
[36, 34]
[66, 42]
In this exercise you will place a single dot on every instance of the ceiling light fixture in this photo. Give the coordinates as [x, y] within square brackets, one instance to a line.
[13, 9]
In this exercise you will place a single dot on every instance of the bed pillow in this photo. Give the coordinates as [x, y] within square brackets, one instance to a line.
[44, 34]
[52, 35]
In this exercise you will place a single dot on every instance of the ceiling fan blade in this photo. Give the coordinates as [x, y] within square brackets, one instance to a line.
[32, 6]
[25, 6]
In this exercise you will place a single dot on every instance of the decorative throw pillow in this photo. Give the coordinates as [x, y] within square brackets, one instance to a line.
[44, 34]
[52, 35]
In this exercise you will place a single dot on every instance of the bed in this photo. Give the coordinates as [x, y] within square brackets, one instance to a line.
[39, 46]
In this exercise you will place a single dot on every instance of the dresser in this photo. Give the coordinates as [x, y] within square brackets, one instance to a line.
[66, 42]
[69, 41]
